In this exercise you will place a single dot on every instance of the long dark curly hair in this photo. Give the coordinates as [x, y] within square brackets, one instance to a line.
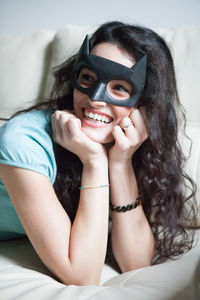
[159, 162]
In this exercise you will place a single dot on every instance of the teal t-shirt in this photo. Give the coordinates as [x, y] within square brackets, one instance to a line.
[25, 142]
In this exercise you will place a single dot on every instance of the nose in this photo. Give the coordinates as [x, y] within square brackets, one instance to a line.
[97, 96]
[95, 103]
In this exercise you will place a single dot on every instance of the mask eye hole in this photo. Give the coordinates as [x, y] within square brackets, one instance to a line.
[120, 89]
[86, 78]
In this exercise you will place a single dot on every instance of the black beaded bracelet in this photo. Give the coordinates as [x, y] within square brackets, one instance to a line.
[127, 207]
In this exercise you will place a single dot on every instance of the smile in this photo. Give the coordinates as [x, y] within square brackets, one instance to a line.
[97, 117]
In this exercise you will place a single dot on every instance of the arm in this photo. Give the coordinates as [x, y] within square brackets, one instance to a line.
[75, 252]
[90, 229]
[131, 236]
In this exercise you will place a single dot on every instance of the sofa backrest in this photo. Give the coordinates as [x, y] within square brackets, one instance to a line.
[23, 64]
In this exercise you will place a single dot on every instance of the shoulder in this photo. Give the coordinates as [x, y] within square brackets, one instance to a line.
[29, 120]
[34, 125]
[26, 141]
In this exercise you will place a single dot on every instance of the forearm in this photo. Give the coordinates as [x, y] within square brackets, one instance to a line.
[131, 236]
[88, 240]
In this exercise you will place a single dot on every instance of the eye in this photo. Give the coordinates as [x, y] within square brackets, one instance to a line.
[86, 78]
[120, 89]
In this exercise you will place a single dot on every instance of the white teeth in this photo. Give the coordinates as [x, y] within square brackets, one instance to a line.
[98, 117]
[89, 115]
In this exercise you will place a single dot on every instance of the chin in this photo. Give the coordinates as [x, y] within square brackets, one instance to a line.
[98, 138]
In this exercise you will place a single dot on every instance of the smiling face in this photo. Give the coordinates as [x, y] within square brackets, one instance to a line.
[97, 117]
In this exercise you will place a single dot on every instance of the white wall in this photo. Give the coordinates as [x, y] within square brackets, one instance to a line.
[24, 16]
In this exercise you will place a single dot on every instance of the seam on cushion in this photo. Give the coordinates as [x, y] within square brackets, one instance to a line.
[107, 287]
[131, 274]
[82, 297]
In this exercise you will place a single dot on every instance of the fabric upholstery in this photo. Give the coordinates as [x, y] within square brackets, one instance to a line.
[23, 64]
[23, 276]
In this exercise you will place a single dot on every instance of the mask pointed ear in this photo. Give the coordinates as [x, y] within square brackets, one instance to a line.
[84, 50]
[140, 64]
[139, 71]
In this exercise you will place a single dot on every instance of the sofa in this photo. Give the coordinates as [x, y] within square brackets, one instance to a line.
[26, 64]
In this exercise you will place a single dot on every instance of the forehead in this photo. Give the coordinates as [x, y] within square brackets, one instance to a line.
[113, 53]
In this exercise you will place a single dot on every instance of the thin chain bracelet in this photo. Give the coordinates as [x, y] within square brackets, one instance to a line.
[128, 207]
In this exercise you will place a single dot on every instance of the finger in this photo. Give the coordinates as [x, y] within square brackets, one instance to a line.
[74, 125]
[126, 123]
[70, 113]
[119, 136]
[63, 119]
[128, 128]
[138, 120]
[56, 128]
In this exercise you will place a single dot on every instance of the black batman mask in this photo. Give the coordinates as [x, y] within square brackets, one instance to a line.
[108, 75]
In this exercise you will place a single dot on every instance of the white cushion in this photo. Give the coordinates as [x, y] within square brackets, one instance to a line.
[66, 43]
[23, 63]
[23, 276]
[184, 43]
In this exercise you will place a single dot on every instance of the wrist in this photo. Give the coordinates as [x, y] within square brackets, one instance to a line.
[97, 164]
[120, 165]
[95, 173]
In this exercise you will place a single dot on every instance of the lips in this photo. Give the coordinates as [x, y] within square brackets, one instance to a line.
[97, 116]
[95, 119]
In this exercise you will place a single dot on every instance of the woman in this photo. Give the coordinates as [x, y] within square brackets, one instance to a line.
[109, 128]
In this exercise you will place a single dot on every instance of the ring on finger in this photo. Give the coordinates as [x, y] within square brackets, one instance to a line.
[128, 125]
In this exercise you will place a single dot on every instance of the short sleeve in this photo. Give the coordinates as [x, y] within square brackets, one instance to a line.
[25, 142]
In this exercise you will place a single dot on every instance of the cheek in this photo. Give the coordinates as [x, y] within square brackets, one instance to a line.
[121, 112]
[78, 99]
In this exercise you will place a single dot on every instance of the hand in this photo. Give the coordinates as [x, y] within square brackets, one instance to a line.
[129, 136]
[67, 132]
